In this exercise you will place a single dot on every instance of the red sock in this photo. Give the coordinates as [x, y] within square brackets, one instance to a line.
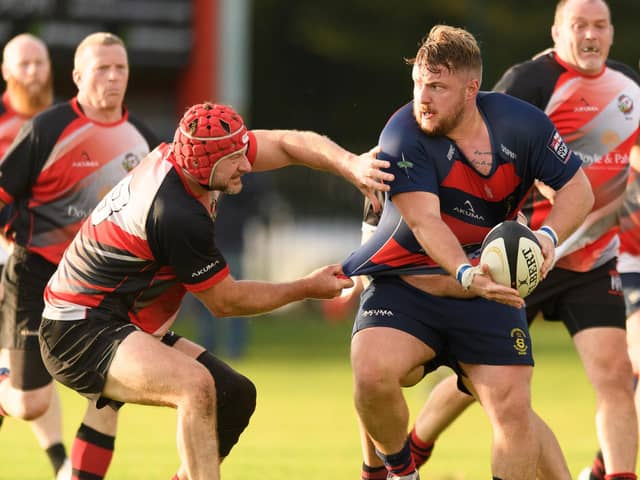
[620, 476]
[597, 467]
[420, 450]
[91, 454]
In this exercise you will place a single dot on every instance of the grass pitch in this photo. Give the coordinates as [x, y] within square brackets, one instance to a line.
[304, 425]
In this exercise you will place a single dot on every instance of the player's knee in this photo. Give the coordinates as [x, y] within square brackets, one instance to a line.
[372, 379]
[236, 401]
[30, 405]
[234, 413]
[511, 407]
[201, 391]
[613, 374]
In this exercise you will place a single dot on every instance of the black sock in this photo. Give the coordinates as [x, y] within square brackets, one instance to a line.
[373, 473]
[57, 455]
[399, 464]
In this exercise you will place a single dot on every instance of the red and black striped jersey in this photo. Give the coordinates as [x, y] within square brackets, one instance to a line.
[59, 167]
[149, 241]
[598, 117]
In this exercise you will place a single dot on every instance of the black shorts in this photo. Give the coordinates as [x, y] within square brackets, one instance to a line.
[475, 331]
[631, 288]
[78, 353]
[580, 300]
[24, 279]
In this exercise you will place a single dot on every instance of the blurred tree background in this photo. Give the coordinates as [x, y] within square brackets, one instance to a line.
[333, 66]
[337, 67]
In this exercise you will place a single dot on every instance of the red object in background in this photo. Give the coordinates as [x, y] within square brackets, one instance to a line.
[340, 308]
[199, 81]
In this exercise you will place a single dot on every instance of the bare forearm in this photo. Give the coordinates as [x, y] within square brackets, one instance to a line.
[250, 297]
[317, 151]
[440, 244]
[571, 205]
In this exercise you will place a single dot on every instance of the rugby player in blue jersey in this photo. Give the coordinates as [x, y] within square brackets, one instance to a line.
[463, 161]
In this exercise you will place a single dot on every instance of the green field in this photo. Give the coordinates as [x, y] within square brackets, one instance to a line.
[304, 425]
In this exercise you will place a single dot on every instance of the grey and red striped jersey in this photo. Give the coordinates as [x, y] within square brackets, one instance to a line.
[149, 241]
[59, 167]
[10, 124]
[598, 117]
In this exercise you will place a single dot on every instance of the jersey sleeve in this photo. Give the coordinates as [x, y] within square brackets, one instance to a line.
[524, 81]
[149, 136]
[252, 150]
[181, 236]
[21, 165]
[553, 162]
[412, 167]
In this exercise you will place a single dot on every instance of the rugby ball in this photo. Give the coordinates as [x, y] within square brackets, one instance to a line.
[513, 254]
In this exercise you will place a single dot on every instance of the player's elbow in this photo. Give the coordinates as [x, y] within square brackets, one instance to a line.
[221, 309]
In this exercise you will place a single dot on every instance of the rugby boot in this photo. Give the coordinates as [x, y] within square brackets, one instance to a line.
[411, 476]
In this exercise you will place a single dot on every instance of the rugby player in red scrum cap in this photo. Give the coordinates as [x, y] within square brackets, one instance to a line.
[111, 303]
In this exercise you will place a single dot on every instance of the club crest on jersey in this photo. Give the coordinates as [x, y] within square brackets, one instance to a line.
[558, 147]
[625, 104]
[519, 337]
[130, 161]
[405, 165]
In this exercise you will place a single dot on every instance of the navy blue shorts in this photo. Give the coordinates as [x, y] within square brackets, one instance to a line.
[580, 300]
[474, 331]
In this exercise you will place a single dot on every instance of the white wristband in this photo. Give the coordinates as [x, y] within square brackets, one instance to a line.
[464, 275]
[549, 232]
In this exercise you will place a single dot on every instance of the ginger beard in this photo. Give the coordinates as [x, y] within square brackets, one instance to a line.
[32, 98]
[442, 127]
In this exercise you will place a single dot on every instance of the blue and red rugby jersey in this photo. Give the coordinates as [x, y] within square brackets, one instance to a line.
[525, 145]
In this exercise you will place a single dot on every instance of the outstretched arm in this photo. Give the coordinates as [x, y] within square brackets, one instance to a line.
[230, 297]
[280, 148]
[571, 204]
[421, 212]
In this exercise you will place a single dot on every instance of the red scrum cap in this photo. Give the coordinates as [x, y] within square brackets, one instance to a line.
[206, 134]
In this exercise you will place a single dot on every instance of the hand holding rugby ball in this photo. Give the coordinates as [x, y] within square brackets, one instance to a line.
[513, 255]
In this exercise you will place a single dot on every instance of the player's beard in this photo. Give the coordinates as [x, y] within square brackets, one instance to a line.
[29, 103]
[447, 124]
[233, 189]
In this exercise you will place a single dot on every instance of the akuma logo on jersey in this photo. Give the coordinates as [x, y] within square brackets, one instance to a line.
[625, 104]
[204, 269]
[468, 211]
[85, 161]
[558, 147]
[377, 312]
[585, 107]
